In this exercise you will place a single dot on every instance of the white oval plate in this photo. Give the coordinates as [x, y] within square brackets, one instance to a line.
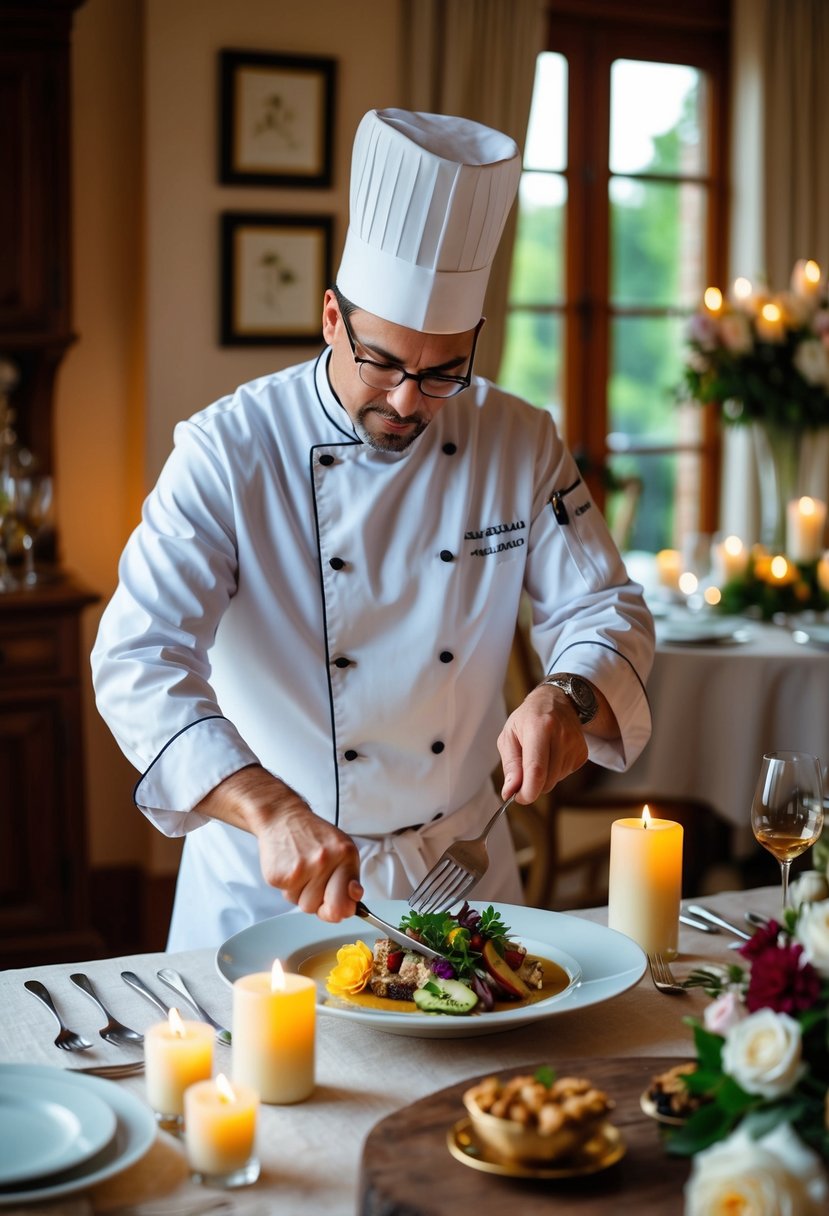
[135, 1132]
[47, 1126]
[601, 963]
[725, 631]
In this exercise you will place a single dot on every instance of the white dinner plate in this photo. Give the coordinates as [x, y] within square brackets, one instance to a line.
[601, 963]
[722, 632]
[135, 1132]
[47, 1125]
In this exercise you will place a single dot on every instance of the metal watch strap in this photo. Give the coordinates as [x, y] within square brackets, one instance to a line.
[578, 692]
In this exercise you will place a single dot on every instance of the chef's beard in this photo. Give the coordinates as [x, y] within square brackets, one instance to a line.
[387, 441]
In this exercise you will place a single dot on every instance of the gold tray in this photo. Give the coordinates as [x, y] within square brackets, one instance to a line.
[603, 1149]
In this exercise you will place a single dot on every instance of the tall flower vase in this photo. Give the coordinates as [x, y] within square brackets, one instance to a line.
[778, 452]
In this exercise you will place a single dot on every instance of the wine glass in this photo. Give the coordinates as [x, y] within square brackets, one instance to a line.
[7, 487]
[787, 810]
[32, 500]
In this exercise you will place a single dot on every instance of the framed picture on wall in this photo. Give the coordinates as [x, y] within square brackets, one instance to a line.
[274, 273]
[276, 119]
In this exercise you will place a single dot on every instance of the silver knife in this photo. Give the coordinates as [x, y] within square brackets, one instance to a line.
[697, 910]
[704, 926]
[396, 935]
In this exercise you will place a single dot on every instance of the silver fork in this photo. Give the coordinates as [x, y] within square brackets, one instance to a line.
[456, 871]
[67, 1040]
[113, 1072]
[114, 1031]
[174, 981]
[663, 978]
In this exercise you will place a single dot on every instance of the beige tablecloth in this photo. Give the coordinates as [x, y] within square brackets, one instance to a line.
[310, 1153]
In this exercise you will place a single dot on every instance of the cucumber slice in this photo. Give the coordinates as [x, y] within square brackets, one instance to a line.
[451, 997]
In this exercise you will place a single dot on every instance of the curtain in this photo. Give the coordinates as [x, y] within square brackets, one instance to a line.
[476, 59]
[780, 188]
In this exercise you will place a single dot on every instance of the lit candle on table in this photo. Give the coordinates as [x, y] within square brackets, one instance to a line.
[274, 1021]
[729, 559]
[805, 521]
[669, 568]
[770, 324]
[712, 299]
[646, 881]
[806, 278]
[220, 1130]
[176, 1055]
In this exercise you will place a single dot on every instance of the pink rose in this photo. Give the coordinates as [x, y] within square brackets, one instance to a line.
[723, 1013]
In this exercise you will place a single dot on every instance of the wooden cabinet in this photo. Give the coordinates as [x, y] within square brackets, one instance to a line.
[43, 868]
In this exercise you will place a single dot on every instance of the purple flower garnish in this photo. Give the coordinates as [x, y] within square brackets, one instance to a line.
[442, 968]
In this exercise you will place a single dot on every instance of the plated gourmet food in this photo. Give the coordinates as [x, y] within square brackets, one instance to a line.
[481, 965]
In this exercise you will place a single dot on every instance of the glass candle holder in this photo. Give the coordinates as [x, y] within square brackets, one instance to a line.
[176, 1055]
[220, 1133]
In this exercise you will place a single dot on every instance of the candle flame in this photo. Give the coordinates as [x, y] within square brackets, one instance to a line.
[712, 298]
[811, 272]
[176, 1024]
[646, 816]
[277, 977]
[771, 312]
[712, 595]
[733, 546]
[742, 288]
[224, 1089]
[807, 505]
[688, 582]
[779, 566]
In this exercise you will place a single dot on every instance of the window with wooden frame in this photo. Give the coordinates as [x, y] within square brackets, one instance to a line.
[621, 226]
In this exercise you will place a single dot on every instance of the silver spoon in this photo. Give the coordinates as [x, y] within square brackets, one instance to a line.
[114, 1031]
[174, 981]
[130, 978]
[67, 1040]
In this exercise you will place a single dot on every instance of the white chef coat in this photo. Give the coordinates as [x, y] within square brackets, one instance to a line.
[344, 617]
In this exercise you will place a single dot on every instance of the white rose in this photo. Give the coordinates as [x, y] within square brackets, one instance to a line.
[812, 931]
[774, 1176]
[723, 1013]
[812, 361]
[762, 1053]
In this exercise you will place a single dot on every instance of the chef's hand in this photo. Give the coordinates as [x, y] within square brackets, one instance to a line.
[308, 860]
[543, 741]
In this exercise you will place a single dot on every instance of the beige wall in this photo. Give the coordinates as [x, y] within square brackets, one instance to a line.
[145, 240]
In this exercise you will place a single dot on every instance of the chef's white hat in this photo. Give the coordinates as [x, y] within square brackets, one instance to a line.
[430, 195]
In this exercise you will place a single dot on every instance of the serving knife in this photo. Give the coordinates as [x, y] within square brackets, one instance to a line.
[396, 935]
[704, 926]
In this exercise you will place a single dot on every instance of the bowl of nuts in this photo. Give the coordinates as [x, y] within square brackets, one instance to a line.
[535, 1118]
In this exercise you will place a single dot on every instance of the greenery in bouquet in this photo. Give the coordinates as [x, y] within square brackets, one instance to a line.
[773, 584]
[760, 1138]
[763, 356]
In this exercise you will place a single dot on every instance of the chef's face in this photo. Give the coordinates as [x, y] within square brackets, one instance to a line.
[389, 419]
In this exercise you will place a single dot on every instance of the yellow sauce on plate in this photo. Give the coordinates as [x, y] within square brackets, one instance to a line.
[319, 966]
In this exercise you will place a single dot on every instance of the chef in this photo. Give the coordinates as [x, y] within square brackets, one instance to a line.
[305, 654]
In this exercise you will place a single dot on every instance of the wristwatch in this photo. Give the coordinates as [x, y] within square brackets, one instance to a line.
[578, 692]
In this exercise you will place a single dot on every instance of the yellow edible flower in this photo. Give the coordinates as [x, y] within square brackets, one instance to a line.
[354, 963]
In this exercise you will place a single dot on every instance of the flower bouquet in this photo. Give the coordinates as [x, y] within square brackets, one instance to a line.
[771, 584]
[760, 1138]
[763, 356]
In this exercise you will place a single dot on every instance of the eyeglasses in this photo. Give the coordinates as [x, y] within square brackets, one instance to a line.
[387, 376]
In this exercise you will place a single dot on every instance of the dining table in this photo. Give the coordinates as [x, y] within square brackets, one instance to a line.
[371, 1140]
[723, 691]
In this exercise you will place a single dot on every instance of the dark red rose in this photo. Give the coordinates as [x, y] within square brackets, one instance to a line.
[761, 940]
[780, 981]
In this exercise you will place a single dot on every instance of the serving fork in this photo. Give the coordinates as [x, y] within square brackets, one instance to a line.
[174, 981]
[456, 872]
[112, 1072]
[663, 978]
[67, 1040]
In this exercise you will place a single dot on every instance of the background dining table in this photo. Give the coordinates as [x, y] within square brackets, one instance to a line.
[758, 691]
[375, 1090]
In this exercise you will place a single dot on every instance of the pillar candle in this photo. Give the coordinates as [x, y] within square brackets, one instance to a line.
[729, 559]
[805, 521]
[220, 1125]
[274, 1020]
[646, 881]
[669, 568]
[176, 1054]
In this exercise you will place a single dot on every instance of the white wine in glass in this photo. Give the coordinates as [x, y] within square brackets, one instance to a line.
[787, 810]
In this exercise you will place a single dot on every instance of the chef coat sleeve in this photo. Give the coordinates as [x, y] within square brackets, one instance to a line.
[588, 617]
[150, 660]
